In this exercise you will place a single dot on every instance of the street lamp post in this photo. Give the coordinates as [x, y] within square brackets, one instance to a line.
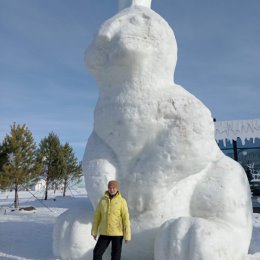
[234, 143]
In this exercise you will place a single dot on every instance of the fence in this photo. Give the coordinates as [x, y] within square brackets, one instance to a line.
[249, 158]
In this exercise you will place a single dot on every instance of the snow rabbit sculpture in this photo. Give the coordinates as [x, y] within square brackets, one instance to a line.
[187, 200]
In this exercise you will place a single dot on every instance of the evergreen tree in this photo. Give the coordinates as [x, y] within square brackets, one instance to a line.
[72, 170]
[18, 162]
[50, 153]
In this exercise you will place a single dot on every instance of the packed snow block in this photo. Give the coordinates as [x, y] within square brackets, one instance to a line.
[219, 225]
[219, 221]
[71, 235]
[189, 238]
[187, 200]
[100, 171]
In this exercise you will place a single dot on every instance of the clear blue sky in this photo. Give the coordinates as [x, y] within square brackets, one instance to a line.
[44, 82]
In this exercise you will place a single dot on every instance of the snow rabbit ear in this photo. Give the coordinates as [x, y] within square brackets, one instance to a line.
[122, 4]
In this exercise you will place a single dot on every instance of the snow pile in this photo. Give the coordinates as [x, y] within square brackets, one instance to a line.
[28, 234]
[254, 249]
[187, 200]
[73, 226]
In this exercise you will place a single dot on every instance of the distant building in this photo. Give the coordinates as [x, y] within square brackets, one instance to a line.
[40, 185]
[240, 140]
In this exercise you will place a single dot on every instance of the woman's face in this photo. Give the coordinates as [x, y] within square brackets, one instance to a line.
[112, 189]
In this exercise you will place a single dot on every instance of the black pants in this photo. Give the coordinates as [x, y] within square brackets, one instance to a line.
[102, 244]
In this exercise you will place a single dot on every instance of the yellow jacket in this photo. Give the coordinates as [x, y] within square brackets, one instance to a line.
[111, 217]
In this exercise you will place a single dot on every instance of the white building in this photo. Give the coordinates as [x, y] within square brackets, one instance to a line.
[40, 185]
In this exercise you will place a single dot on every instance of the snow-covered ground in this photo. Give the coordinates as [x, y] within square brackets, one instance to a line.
[28, 234]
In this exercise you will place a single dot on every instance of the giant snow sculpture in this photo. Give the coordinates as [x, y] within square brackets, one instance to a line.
[187, 200]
